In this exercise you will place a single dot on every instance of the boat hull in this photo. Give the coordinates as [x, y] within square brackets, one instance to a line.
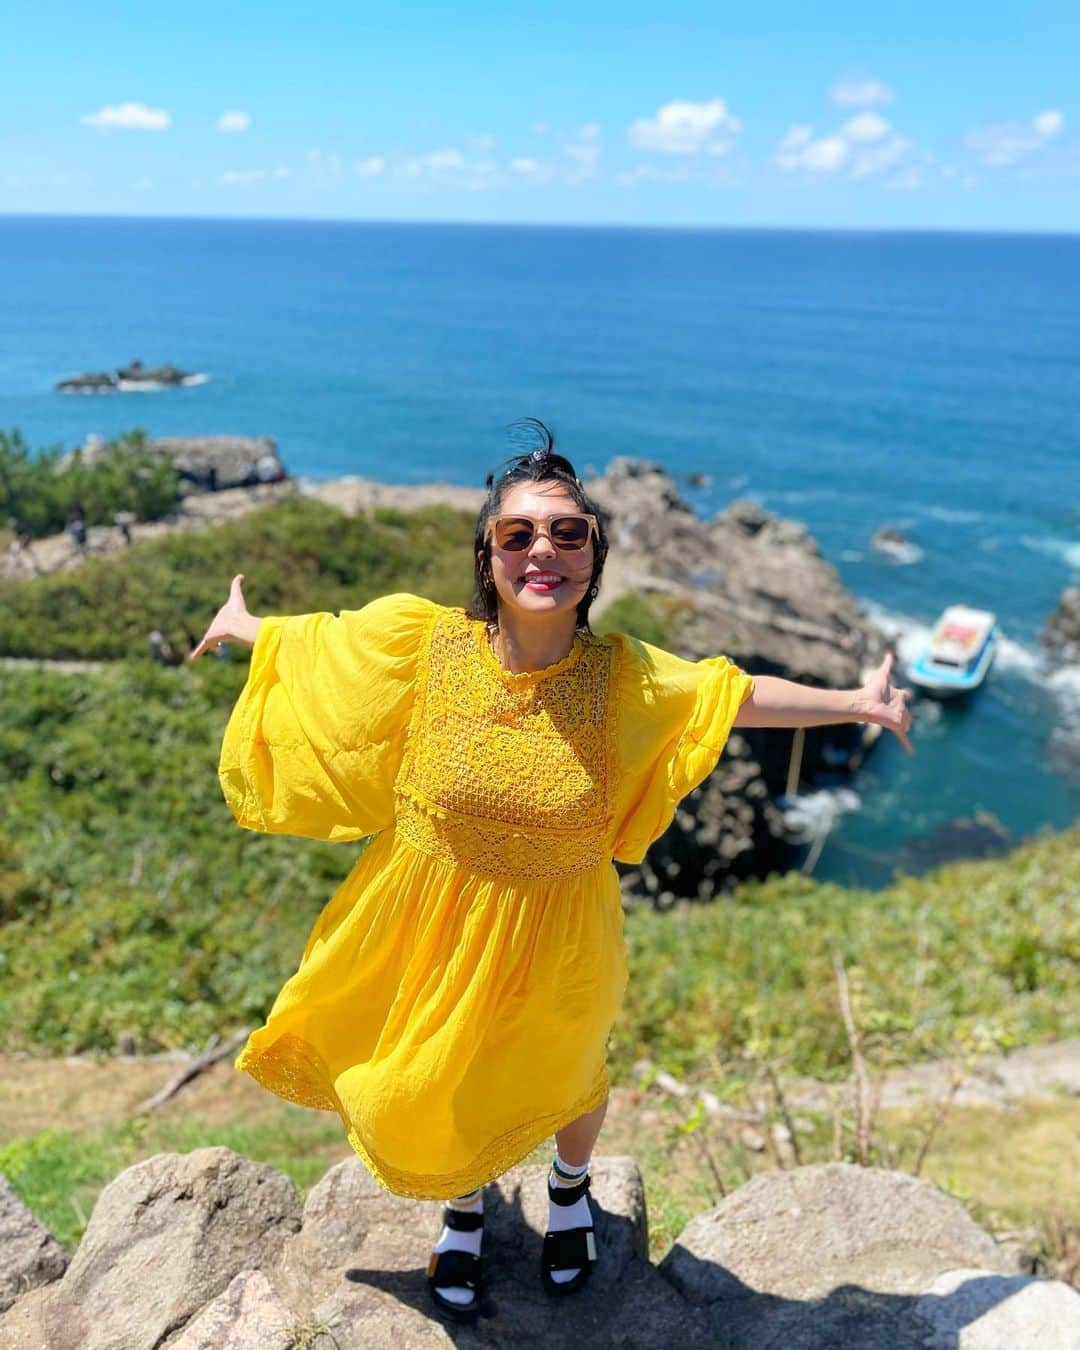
[941, 682]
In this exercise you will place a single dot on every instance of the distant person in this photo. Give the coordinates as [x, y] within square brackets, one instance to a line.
[76, 526]
[455, 997]
[123, 520]
[19, 548]
[211, 478]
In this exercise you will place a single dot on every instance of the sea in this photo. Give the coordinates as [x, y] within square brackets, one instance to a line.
[849, 380]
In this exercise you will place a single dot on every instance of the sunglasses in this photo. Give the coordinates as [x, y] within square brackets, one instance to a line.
[514, 534]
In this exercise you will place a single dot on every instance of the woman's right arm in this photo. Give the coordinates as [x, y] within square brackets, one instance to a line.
[232, 622]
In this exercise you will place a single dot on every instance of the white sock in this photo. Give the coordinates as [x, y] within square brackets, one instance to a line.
[450, 1239]
[561, 1217]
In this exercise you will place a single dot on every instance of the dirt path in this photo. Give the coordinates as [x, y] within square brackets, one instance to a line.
[83, 1093]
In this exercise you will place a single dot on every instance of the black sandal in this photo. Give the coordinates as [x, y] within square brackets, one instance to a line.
[456, 1269]
[572, 1249]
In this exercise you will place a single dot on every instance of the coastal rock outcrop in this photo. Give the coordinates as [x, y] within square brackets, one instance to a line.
[209, 1249]
[203, 463]
[755, 587]
[1061, 632]
[134, 375]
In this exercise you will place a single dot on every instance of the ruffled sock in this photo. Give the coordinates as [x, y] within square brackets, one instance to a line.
[560, 1217]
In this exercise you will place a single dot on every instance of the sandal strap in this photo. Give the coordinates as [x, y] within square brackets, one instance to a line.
[461, 1220]
[454, 1269]
[569, 1249]
[568, 1195]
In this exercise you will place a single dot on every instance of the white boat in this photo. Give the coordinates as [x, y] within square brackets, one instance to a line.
[959, 652]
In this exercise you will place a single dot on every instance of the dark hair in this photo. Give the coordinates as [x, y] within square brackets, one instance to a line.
[539, 464]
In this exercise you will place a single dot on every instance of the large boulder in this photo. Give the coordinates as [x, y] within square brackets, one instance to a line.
[826, 1255]
[165, 1237]
[29, 1254]
[208, 1251]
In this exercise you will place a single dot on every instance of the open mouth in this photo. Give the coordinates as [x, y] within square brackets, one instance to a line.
[542, 581]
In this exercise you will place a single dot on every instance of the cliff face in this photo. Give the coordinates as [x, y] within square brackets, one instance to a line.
[755, 588]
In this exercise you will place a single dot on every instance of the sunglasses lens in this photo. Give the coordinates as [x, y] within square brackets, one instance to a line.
[513, 533]
[570, 532]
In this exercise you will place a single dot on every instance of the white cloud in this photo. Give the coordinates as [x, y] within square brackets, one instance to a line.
[1048, 123]
[370, 167]
[234, 121]
[865, 146]
[525, 164]
[1004, 143]
[858, 92]
[685, 128]
[864, 126]
[128, 117]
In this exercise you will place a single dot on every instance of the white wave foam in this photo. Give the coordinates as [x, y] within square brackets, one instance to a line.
[199, 377]
[900, 551]
[1067, 550]
[851, 555]
[908, 635]
[1014, 656]
[813, 814]
[953, 515]
[1064, 684]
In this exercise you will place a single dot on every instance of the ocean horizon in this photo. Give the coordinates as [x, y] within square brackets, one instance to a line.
[846, 378]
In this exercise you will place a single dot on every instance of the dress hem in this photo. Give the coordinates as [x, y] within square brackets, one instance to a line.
[275, 1069]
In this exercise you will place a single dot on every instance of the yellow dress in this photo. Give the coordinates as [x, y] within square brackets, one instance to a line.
[455, 996]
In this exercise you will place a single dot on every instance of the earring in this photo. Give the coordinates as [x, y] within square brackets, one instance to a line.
[593, 590]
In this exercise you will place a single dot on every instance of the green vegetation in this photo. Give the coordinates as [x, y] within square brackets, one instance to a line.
[126, 478]
[298, 556]
[131, 901]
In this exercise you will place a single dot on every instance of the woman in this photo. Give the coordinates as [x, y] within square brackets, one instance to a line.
[454, 998]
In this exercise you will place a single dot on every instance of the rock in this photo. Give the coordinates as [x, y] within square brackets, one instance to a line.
[893, 545]
[29, 1254]
[820, 1255]
[164, 1239]
[246, 1315]
[203, 463]
[133, 374]
[971, 1310]
[359, 1263]
[208, 1251]
[755, 588]
[1061, 633]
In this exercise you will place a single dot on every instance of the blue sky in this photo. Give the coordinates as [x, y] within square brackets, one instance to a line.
[933, 116]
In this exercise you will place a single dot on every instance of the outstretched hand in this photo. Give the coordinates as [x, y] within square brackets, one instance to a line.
[228, 622]
[886, 704]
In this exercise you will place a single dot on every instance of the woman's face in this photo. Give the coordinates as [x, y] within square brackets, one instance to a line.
[540, 579]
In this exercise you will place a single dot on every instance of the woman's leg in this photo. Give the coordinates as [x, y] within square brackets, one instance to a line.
[573, 1147]
[576, 1141]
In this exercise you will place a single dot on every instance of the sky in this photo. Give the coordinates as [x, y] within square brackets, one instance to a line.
[839, 115]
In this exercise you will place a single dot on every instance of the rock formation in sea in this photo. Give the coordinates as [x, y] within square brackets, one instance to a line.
[754, 587]
[134, 374]
[209, 1249]
[1061, 633]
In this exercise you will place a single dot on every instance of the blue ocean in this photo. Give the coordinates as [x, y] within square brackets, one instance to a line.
[848, 380]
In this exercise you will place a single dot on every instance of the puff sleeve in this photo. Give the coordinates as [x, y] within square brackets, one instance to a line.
[673, 719]
[315, 738]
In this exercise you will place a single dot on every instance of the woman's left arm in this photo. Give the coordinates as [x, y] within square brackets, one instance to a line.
[784, 703]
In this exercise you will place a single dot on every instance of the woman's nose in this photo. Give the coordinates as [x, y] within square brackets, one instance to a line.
[542, 547]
